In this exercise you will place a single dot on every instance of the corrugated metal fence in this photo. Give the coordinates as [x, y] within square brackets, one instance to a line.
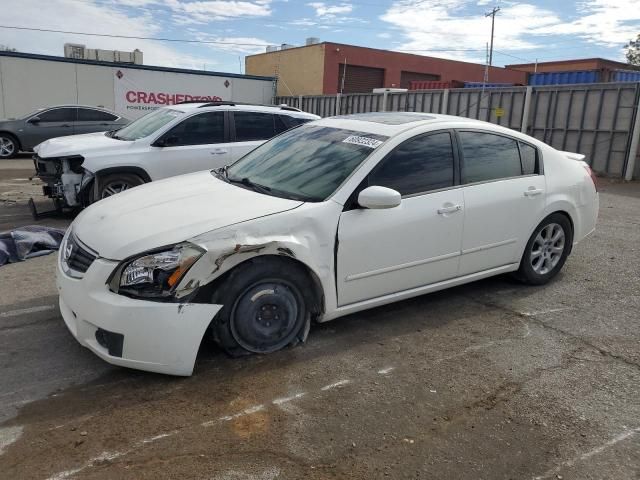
[597, 120]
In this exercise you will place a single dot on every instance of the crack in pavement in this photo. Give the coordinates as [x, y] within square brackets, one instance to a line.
[555, 329]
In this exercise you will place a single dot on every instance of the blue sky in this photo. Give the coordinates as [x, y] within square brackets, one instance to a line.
[525, 31]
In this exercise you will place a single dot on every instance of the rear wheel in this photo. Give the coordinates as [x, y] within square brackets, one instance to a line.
[8, 146]
[546, 250]
[115, 183]
[264, 308]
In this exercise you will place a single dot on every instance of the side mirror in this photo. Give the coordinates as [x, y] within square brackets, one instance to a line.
[34, 120]
[170, 141]
[379, 197]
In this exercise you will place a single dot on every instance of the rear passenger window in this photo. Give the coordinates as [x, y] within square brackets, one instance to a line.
[529, 159]
[254, 126]
[89, 115]
[488, 157]
[418, 165]
[286, 122]
[202, 129]
[59, 115]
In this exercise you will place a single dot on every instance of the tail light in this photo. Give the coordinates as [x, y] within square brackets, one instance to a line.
[594, 179]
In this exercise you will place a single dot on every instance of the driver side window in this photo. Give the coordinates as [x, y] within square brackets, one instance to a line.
[203, 129]
[419, 165]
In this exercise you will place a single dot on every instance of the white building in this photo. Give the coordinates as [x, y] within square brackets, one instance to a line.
[31, 81]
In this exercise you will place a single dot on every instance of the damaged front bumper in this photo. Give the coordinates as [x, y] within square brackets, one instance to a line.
[145, 335]
[65, 179]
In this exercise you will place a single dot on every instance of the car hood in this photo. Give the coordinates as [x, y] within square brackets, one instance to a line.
[79, 145]
[169, 211]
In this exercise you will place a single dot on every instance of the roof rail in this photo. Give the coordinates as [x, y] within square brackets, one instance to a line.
[221, 103]
[284, 106]
[189, 101]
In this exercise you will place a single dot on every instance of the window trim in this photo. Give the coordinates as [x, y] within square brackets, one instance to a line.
[456, 163]
[80, 107]
[51, 110]
[232, 136]
[225, 119]
[352, 201]
[499, 134]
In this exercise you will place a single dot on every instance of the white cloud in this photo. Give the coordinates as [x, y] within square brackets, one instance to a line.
[238, 45]
[330, 11]
[70, 15]
[211, 10]
[429, 28]
[606, 22]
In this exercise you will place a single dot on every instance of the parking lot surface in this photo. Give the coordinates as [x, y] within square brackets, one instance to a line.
[490, 380]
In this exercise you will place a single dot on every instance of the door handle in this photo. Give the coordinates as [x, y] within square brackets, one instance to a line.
[65, 125]
[532, 192]
[219, 151]
[451, 209]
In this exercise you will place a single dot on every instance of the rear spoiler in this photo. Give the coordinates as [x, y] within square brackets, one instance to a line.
[574, 156]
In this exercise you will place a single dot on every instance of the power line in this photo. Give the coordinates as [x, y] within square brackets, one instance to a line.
[135, 37]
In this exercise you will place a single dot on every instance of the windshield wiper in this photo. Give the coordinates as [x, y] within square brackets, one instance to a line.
[112, 134]
[256, 187]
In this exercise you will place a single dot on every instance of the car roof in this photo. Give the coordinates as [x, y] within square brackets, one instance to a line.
[393, 123]
[74, 105]
[206, 106]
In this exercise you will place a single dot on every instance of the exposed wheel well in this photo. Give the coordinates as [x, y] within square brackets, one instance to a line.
[313, 293]
[573, 228]
[141, 172]
[9, 134]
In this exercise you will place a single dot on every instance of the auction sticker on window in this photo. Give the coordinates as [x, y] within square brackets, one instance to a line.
[364, 141]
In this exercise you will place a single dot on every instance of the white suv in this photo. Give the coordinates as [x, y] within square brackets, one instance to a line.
[182, 138]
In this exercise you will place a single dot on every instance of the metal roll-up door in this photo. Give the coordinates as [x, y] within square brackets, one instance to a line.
[360, 79]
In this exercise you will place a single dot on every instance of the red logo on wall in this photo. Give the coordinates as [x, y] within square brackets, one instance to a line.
[119, 74]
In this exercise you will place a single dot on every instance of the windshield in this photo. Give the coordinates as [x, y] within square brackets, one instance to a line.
[307, 163]
[145, 126]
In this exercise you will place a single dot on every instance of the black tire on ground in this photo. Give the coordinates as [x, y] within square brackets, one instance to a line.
[114, 183]
[9, 146]
[264, 308]
[546, 251]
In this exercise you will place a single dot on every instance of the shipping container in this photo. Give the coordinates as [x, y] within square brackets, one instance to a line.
[565, 78]
[434, 85]
[625, 76]
[486, 85]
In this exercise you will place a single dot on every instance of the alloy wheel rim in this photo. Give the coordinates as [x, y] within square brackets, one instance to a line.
[547, 248]
[114, 188]
[7, 147]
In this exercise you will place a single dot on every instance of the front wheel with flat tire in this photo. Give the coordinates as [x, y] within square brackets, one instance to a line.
[8, 146]
[546, 250]
[264, 308]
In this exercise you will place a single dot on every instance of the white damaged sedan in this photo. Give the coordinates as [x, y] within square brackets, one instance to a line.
[330, 218]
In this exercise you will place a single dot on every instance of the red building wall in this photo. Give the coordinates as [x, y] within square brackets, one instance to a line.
[395, 62]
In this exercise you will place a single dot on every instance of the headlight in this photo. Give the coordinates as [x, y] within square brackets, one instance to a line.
[157, 274]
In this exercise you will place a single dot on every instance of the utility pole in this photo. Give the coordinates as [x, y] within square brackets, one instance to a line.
[492, 14]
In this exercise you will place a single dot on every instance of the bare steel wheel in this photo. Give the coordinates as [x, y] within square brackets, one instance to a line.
[547, 250]
[113, 184]
[8, 146]
[266, 306]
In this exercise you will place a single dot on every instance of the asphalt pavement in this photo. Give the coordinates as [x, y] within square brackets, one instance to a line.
[492, 380]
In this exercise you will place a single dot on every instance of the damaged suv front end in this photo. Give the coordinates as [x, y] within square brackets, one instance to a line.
[66, 181]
